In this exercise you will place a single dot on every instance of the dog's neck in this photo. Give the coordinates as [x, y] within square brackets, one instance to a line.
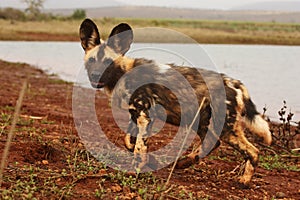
[125, 63]
[122, 65]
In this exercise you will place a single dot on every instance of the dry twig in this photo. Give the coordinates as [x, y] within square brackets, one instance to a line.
[189, 129]
[12, 129]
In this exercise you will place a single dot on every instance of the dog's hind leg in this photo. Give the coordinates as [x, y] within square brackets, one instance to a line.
[209, 140]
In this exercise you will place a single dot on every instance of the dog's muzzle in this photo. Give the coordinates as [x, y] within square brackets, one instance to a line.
[95, 81]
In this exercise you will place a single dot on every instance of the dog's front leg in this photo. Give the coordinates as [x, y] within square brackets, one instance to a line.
[140, 149]
[130, 137]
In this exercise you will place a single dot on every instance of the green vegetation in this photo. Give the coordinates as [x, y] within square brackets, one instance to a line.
[33, 13]
[12, 14]
[78, 14]
[278, 162]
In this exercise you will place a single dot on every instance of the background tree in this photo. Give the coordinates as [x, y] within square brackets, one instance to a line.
[79, 14]
[34, 8]
[12, 14]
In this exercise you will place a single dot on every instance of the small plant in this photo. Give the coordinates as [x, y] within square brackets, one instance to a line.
[285, 132]
[4, 122]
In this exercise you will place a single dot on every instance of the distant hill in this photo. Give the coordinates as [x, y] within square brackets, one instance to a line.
[176, 13]
[292, 6]
[63, 4]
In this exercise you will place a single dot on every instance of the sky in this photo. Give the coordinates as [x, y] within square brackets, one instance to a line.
[208, 4]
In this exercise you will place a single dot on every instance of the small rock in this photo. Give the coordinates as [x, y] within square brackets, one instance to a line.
[45, 162]
[280, 195]
[116, 188]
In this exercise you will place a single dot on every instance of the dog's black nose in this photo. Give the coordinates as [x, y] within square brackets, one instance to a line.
[95, 77]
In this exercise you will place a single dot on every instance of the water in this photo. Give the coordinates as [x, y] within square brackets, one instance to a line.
[271, 73]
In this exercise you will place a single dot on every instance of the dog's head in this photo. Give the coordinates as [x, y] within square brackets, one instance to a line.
[104, 60]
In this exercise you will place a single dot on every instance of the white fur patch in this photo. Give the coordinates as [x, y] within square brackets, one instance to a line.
[162, 68]
[261, 128]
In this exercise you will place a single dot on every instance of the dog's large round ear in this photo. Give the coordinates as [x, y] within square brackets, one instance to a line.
[121, 38]
[89, 34]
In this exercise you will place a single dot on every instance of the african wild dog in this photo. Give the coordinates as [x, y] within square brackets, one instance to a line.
[106, 64]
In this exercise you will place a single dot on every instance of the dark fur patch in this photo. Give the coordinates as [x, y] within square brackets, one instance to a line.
[89, 35]
[250, 109]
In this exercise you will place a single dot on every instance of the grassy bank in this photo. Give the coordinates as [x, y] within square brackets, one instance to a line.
[219, 32]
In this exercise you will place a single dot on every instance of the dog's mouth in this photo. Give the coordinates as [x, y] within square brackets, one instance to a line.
[97, 84]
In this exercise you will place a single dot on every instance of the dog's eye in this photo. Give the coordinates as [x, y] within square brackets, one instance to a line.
[91, 60]
[107, 62]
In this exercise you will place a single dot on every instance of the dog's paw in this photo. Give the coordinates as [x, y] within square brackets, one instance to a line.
[243, 183]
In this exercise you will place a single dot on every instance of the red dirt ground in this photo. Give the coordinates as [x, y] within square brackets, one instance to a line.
[47, 144]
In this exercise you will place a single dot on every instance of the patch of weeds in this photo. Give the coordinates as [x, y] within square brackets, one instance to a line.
[142, 191]
[99, 193]
[122, 178]
[45, 121]
[144, 185]
[5, 117]
[23, 188]
[277, 162]
[25, 122]
[82, 163]
[4, 122]
[30, 131]
[9, 108]
[31, 182]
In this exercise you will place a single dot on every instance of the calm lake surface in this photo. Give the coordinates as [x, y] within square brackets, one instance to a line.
[271, 73]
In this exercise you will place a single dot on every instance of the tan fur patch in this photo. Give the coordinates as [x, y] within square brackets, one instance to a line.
[127, 142]
[125, 63]
[140, 149]
[248, 173]
[245, 91]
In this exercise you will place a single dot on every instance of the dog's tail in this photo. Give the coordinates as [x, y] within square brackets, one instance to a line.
[256, 123]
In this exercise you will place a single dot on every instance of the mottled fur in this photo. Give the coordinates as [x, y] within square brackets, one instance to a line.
[142, 101]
